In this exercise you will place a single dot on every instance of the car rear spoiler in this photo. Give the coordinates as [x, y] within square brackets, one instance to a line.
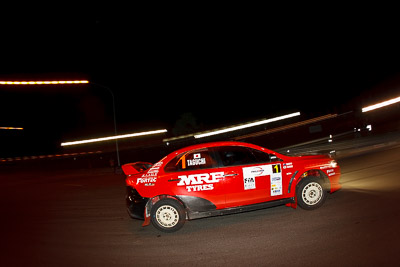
[136, 167]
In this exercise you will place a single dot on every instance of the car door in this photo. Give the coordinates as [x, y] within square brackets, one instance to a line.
[194, 174]
[250, 176]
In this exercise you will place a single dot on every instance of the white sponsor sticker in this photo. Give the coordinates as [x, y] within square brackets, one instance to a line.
[276, 184]
[249, 183]
[250, 174]
[197, 160]
[273, 170]
[194, 162]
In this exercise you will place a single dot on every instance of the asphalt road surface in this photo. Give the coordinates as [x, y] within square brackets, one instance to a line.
[71, 218]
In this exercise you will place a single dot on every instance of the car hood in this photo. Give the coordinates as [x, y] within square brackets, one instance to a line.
[314, 161]
[313, 157]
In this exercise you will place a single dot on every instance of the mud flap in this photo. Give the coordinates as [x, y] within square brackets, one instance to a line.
[146, 221]
[293, 203]
[147, 212]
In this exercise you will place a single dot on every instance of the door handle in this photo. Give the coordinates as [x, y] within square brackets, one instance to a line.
[230, 174]
[174, 180]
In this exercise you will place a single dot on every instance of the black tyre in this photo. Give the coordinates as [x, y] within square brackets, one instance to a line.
[168, 215]
[310, 193]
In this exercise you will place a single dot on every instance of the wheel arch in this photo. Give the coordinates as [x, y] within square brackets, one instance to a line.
[153, 200]
[312, 173]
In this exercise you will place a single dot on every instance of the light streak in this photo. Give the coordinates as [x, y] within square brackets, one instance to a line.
[42, 82]
[101, 139]
[381, 104]
[11, 128]
[247, 125]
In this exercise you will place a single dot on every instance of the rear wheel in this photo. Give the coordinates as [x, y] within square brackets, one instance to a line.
[310, 193]
[168, 215]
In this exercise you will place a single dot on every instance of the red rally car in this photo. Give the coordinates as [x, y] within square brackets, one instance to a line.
[223, 178]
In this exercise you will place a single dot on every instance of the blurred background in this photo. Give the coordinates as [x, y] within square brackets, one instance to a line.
[148, 70]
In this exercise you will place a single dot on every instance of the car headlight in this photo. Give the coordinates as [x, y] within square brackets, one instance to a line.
[333, 163]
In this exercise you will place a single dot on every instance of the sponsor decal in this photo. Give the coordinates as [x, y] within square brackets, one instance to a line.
[146, 180]
[200, 182]
[150, 177]
[250, 174]
[249, 183]
[257, 171]
[331, 172]
[194, 162]
[273, 170]
[276, 185]
[276, 180]
[287, 165]
[197, 160]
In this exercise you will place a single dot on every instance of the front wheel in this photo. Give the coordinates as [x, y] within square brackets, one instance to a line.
[310, 193]
[168, 215]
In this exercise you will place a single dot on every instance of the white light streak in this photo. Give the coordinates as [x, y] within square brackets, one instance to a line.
[381, 104]
[113, 137]
[41, 82]
[247, 125]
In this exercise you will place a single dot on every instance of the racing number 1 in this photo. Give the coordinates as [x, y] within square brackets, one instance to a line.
[276, 168]
[276, 180]
[183, 160]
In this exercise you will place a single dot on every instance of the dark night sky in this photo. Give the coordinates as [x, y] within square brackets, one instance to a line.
[222, 69]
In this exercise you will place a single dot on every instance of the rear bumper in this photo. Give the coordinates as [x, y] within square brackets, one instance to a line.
[135, 203]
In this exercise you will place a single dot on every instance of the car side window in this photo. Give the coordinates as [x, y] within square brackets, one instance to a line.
[236, 155]
[263, 157]
[192, 160]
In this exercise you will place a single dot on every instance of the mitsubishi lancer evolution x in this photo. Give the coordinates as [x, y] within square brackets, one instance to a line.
[223, 178]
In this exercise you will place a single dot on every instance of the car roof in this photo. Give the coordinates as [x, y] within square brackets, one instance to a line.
[217, 144]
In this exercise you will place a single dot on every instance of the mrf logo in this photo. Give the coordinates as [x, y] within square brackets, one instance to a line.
[200, 182]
